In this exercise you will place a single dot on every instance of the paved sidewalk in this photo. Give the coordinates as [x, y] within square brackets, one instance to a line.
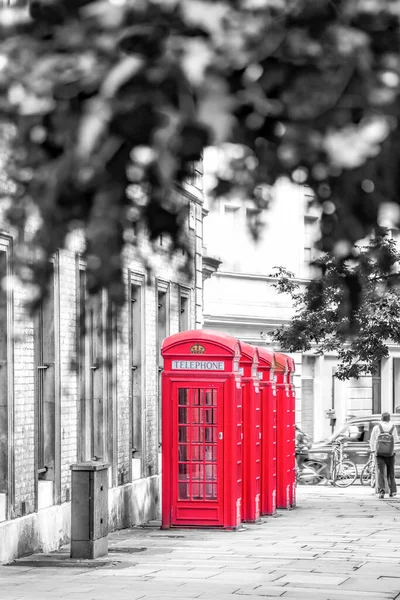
[337, 545]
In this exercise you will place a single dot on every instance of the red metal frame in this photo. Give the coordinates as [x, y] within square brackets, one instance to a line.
[201, 431]
[266, 368]
[284, 477]
[292, 430]
[251, 433]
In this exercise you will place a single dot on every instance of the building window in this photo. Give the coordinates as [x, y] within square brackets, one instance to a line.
[376, 389]
[136, 354]
[184, 309]
[110, 384]
[6, 387]
[396, 385]
[97, 369]
[95, 410]
[82, 363]
[162, 333]
[47, 400]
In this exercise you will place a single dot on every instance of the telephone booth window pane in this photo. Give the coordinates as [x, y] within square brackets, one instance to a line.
[183, 415]
[197, 453]
[183, 452]
[211, 416]
[197, 434]
[183, 396]
[183, 434]
[183, 491]
[211, 453]
[197, 491]
[198, 397]
[211, 434]
[198, 472]
[183, 471]
[209, 398]
[198, 415]
[211, 472]
[211, 491]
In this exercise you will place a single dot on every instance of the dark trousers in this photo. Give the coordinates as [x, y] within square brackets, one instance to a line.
[385, 466]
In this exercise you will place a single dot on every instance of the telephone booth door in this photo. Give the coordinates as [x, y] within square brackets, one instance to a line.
[292, 430]
[251, 433]
[198, 439]
[268, 431]
[201, 431]
[283, 476]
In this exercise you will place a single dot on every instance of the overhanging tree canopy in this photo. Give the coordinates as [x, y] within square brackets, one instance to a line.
[321, 325]
[106, 103]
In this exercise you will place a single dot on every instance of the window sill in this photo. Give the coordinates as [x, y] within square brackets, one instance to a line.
[136, 468]
[45, 494]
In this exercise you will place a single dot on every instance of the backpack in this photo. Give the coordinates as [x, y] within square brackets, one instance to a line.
[385, 442]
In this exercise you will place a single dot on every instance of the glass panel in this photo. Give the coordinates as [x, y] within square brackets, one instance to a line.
[211, 491]
[211, 453]
[183, 433]
[211, 415]
[183, 491]
[211, 472]
[197, 453]
[183, 396]
[183, 471]
[211, 434]
[197, 415]
[198, 472]
[183, 415]
[183, 452]
[209, 398]
[197, 491]
[197, 434]
[198, 397]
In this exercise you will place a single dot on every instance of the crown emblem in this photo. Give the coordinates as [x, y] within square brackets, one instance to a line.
[197, 349]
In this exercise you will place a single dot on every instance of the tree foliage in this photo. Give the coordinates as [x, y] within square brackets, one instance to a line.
[321, 323]
[105, 104]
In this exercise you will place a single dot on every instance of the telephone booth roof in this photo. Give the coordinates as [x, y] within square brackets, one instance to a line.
[281, 362]
[291, 364]
[249, 354]
[266, 358]
[180, 342]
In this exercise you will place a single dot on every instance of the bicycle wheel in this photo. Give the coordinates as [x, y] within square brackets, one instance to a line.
[307, 476]
[344, 474]
[319, 468]
[366, 474]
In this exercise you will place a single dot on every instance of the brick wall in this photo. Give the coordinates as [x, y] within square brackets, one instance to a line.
[160, 265]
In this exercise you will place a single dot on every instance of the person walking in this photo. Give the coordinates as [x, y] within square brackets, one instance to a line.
[383, 438]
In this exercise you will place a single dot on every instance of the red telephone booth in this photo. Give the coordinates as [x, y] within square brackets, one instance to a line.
[251, 433]
[268, 431]
[201, 431]
[283, 431]
[292, 429]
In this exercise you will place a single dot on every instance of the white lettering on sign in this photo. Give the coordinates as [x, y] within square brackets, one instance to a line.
[199, 365]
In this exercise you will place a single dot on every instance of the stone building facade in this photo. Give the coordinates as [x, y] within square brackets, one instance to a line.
[240, 300]
[108, 408]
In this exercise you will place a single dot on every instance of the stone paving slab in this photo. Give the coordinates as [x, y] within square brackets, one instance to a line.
[337, 545]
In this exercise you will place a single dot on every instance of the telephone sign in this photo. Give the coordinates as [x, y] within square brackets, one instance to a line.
[198, 365]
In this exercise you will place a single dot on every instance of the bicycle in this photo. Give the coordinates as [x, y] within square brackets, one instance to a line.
[309, 472]
[368, 472]
[343, 471]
